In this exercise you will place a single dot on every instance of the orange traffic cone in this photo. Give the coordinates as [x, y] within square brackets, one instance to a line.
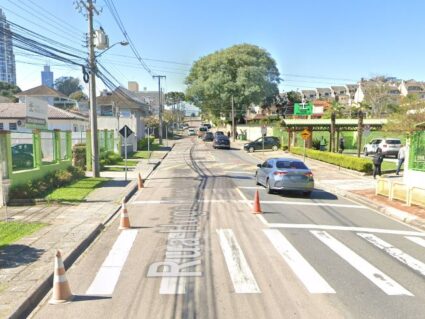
[139, 181]
[61, 291]
[257, 207]
[125, 221]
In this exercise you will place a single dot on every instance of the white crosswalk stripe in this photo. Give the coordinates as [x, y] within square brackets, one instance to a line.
[240, 273]
[384, 282]
[304, 271]
[395, 252]
[417, 240]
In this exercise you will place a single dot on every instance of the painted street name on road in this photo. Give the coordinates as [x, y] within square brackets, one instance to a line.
[183, 252]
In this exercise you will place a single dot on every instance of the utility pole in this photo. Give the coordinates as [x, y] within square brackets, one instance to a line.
[159, 77]
[233, 120]
[359, 133]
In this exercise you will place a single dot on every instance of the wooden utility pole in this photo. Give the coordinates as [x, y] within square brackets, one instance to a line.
[159, 77]
[359, 133]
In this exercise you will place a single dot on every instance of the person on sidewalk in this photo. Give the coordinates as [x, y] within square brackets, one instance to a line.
[341, 144]
[401, 155]
[378, 158]
[322, 144]
[228, 134]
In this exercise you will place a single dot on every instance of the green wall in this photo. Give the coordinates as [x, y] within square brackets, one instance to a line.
[22, 177]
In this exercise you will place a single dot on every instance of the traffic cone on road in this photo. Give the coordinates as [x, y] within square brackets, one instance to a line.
[125, 221]
[61, 291]
[139, 181]
[257, 208]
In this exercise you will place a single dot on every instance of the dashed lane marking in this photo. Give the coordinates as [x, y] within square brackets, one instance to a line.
[311, 279]
[384, 282]
[417, 240]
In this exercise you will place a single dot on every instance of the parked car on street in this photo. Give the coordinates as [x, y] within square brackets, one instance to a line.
[221, 141]
[201, 131]
[208, 137]
[218, 133]
[388, 146]
[207, 125]
[270, 143]
[280, 174]
[191, 132]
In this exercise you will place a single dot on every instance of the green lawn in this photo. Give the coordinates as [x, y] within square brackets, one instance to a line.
[77, 191]
[386, 166]
[13, 231]
[144, 154]
[117, 169]
[129, 163]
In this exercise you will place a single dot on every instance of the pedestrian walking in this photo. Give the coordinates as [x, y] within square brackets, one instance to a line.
[228, 134]
[378, 158]
[322, 143]
[401, 155]
[341, 144]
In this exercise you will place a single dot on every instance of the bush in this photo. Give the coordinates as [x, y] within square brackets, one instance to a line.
[358, 164]
[110, 158]
[39, 188]
[79, 155]
[143, 143]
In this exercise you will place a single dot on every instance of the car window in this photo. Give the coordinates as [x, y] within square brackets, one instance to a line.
[264, 164]
[393, 141]
[269, 164]
[259, 140]
[270, 140]
[203, 129]
[377, 141]
[291, 165]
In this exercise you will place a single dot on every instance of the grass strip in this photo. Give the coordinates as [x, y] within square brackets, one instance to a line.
[78, 191]
[13, 231]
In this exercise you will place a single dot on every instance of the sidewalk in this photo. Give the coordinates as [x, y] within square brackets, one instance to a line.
[26, 266]
[352, 185]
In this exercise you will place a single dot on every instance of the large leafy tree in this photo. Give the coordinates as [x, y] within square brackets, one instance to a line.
[68, 85]
[8, 90]
[174, 97]
[245, 72]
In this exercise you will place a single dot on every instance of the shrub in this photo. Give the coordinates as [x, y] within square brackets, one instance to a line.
[316, 144]
[358, 164]
[109, 158]
[39, 188]
[143, 143]
[79, 155]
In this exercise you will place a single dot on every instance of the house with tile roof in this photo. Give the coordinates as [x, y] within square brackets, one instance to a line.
[13, 118]
[51, 96]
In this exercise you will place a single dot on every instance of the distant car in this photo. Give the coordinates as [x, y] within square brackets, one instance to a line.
[22, 156]
[221, 141]
[191, 132]
[207, 125]
[280, 174]
[218, 133]
[270, 143]
[388, 146]
[208, 137]
[201, 131]
[185, 126]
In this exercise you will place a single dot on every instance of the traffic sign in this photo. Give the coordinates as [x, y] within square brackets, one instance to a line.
[125, 131]
[305, 134]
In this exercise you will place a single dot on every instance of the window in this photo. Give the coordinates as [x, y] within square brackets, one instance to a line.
[1, 126]
[13, 126]
[106, 110]
[290, 165]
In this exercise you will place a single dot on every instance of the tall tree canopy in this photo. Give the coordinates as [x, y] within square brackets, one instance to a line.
[174, 97]
[246, 72]
[68, 85]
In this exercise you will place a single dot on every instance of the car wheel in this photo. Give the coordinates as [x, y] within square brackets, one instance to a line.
[274, 148]
[269, 189]
[307, 194]
[251, 150]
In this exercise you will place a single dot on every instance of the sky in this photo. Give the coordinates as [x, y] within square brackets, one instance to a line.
[314, 43]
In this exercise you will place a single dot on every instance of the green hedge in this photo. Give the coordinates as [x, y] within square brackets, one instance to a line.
[39, 188]
[109, 158]
[358, 164]
[79, 156]
[142, 145]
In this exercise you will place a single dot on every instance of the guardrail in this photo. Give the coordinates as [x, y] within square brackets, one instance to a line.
[401, 192]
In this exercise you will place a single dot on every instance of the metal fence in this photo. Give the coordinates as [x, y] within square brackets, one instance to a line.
[417, 151]
[22, 150]
[78, 138]
[47, 147]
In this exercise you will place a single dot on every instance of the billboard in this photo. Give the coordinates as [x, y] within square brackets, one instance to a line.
[36, 112]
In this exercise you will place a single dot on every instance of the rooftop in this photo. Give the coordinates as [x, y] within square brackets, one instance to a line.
[18, 111]
[41, 90]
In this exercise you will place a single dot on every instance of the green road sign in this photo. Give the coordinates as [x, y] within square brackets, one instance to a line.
[303, 108]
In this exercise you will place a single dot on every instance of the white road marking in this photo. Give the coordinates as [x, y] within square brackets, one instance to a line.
[388, 285]
[239, 172]
[242, 278]
[395, 252]
[108, 274]
[276, 202]
[244, 199]
[250, 187]
[346, 228]
[173, 285]
[304, 271]
[417, 240]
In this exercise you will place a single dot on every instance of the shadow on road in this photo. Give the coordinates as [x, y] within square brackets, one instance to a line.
[314, 195]
[13, 256]
[88, 298]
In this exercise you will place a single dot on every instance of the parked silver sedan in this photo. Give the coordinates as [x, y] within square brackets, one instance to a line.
[279, 174]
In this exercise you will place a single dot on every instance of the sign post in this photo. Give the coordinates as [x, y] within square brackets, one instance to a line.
[149, 146]
[305, 136]
[263, 133]
[125, 132]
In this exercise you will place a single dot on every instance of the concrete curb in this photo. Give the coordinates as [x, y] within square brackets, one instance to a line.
[395, 213]
[44, 286]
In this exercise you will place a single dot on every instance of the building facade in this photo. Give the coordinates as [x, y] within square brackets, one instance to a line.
[7, 58]
[47, 77]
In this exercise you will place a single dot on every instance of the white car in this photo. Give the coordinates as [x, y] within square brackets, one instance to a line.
[388, 146]
[191, 132]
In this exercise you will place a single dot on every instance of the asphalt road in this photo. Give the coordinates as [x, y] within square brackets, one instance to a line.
[196, 250]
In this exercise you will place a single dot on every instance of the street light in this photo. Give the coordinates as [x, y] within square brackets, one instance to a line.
[123, 43]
